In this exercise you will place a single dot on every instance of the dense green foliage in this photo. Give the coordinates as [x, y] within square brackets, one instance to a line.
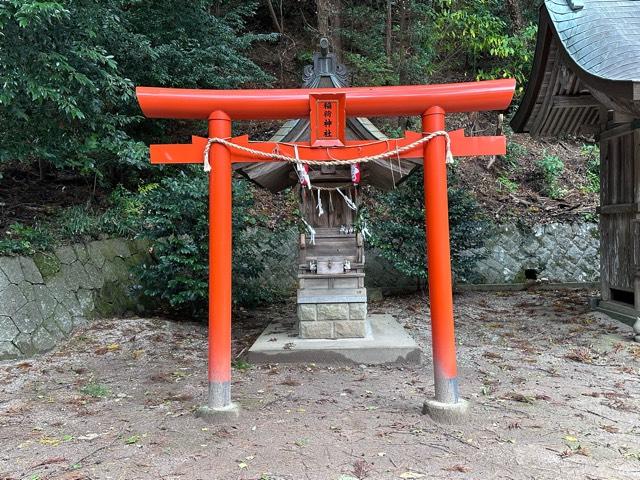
[592, 155]
[477, 38]
[77, 223]
[175, 214]
[481, 31]
[396, 224]
[411, 48]
[68, 69]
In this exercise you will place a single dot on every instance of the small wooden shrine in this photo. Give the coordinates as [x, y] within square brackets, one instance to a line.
[332, 298]
[586, 80]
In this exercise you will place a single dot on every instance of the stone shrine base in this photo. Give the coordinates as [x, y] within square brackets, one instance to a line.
[385, 341]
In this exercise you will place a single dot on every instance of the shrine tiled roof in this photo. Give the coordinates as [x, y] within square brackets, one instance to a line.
[601, 36]
[587, 63]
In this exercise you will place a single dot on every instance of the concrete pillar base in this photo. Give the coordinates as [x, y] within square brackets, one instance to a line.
[218, 415]
[447, 413]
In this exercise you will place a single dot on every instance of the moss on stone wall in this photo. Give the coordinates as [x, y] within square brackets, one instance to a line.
[47, 263]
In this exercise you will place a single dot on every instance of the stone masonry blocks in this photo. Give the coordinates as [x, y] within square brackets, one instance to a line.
[357, 311]
[30, 271]
[66, 254]
[8, 331]
[332, 320]
[316, 330]
[28, 318]
[559, 252]
[307, 312]
[11, 300]
[12, 269]
[4, 281]
[350, 329]
[45, 297]
[8, 351]
[333, 311]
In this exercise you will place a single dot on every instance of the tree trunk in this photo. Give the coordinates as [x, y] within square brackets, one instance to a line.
[389, 30]
[515, 12]
[274, 17]
[216, 8]
[329, 19]
[404, 49]
[404, 40]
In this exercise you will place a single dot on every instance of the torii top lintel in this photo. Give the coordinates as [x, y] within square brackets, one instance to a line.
[278, 104]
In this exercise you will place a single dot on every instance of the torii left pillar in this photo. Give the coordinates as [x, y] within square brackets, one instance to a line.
[220, 266]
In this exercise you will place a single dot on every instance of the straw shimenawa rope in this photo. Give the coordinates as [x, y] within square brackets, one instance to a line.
[370, 158]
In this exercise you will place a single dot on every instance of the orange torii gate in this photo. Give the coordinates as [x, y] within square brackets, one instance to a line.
[327, 110]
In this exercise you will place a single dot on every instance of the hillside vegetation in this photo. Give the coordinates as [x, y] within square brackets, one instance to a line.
[73, 143]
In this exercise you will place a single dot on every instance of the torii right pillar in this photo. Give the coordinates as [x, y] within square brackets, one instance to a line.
[447, 406]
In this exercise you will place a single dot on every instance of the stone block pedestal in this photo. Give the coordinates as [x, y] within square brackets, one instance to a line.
[332, 314]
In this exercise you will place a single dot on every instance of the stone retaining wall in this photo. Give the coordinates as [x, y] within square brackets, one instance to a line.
[44, 297]
[557, 252]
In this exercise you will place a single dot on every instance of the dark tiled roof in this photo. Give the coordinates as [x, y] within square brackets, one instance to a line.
[603, 37]
[587, 62]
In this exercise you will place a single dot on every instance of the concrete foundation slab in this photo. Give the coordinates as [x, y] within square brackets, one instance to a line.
[385, 341]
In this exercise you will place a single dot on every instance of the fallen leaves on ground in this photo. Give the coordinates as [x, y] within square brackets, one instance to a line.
[581, 355]
[457, 468]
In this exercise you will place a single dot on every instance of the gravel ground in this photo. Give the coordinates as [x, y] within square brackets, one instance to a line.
[554, 390]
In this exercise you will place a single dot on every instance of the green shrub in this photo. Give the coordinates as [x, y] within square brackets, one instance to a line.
[508, 184]
[477, 33]
[363, 36]
[396, 224]
[549, 168]
[68, 69]
[515, 152]
[175, 215]
[76, 224]
[20, 239]
[592, 154]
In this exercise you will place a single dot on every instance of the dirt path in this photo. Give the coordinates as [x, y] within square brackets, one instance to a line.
[555, 393]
